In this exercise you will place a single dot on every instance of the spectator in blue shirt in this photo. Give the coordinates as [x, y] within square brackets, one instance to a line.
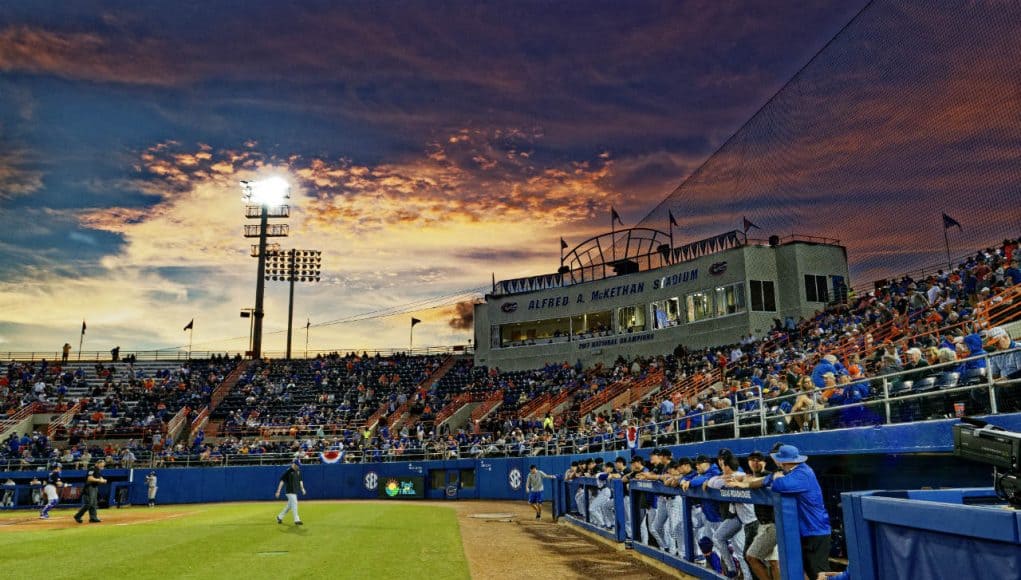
[1013, 273]
[1008, 364]
[797, 479]
[1005, 365]
[828, 364]
[973, 344]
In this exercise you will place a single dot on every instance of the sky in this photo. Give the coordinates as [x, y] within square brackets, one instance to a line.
[429, 146]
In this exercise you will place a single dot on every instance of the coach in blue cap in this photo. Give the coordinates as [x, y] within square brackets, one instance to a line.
[797, 479]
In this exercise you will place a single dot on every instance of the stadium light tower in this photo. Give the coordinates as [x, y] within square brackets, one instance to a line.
[263, 200]
[294, 266]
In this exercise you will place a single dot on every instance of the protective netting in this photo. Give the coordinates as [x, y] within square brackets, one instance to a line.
[913, 109]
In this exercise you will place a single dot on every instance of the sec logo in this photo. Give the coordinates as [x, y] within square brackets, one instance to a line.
[371, 481]
[514, 479]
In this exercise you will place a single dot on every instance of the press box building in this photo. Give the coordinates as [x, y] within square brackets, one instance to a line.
[632, 293]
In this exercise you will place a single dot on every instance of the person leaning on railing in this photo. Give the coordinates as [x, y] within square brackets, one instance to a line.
[1004, 366]
[797, 479]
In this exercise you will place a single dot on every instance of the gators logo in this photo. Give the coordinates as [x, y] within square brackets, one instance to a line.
[509, 307]
[718, 268]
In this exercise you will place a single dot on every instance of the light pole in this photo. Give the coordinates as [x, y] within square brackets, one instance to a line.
[263, 200]
[294, 266]
[247, 313]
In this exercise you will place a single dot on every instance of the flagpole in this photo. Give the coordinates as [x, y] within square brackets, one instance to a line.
[411, 341]
[946, 242]
[80, 339]
[613, 237]
[671, 226]
[191, 334]
[307, 326]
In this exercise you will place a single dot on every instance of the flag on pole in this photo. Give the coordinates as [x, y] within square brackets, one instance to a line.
[83, 327]
[749, 225]
[308, 323]
[414, 321]
[190, 325]
[949, 222]
[563, 244]
[673, 221]
[615, 217]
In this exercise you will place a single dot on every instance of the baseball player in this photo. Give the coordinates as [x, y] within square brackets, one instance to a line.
[50, 490]
[534, 487]
[290, 482]
[150, 483]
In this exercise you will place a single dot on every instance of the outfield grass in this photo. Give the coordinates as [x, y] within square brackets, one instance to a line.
[338, 540]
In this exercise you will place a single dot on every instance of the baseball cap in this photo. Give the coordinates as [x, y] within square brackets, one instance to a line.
[702, 459]
[757, 455]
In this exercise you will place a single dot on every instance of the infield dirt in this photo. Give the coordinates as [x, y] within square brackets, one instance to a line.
[528, 548]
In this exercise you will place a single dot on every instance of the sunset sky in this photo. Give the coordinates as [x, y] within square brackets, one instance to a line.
[430, 144]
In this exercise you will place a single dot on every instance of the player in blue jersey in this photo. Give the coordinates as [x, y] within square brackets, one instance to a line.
[53, 482]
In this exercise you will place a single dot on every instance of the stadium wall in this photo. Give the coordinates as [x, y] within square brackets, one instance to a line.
[884, 457]
[785, 266]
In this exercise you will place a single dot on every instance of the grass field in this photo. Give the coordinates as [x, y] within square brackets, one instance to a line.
[242, 540]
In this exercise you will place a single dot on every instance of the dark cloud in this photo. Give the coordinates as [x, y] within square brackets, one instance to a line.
[501, 256]
[463, 317]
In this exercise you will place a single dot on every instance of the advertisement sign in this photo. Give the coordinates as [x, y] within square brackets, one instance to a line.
[402, 488]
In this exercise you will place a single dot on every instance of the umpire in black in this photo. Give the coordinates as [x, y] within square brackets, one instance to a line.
[90, 495]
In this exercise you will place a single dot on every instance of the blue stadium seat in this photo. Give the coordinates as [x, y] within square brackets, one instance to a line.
[949, 380]
[901, 388]
[974, 376]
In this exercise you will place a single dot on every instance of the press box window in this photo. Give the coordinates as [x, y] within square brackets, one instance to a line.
[815, 289]
[699, 306]
[592, 323]
[729, 299]
[666, 313]
[630, 318]
[763, 295]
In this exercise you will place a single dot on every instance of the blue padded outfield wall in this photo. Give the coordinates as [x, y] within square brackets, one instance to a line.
[883, 456]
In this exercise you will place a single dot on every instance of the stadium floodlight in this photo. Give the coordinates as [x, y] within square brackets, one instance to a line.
[266, 195]
[270, 192]
[293, 266]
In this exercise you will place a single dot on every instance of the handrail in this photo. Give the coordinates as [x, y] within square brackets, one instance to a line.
[65, 419]
[15, 419]
[452, 407]
[177, 422]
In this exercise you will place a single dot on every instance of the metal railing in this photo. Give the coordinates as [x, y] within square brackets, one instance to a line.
[177, 354]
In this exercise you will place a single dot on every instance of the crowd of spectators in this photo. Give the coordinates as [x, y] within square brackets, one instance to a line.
[791, 376]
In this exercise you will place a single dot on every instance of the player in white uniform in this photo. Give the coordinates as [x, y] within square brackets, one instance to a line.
[50, 490]
[150, 483]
